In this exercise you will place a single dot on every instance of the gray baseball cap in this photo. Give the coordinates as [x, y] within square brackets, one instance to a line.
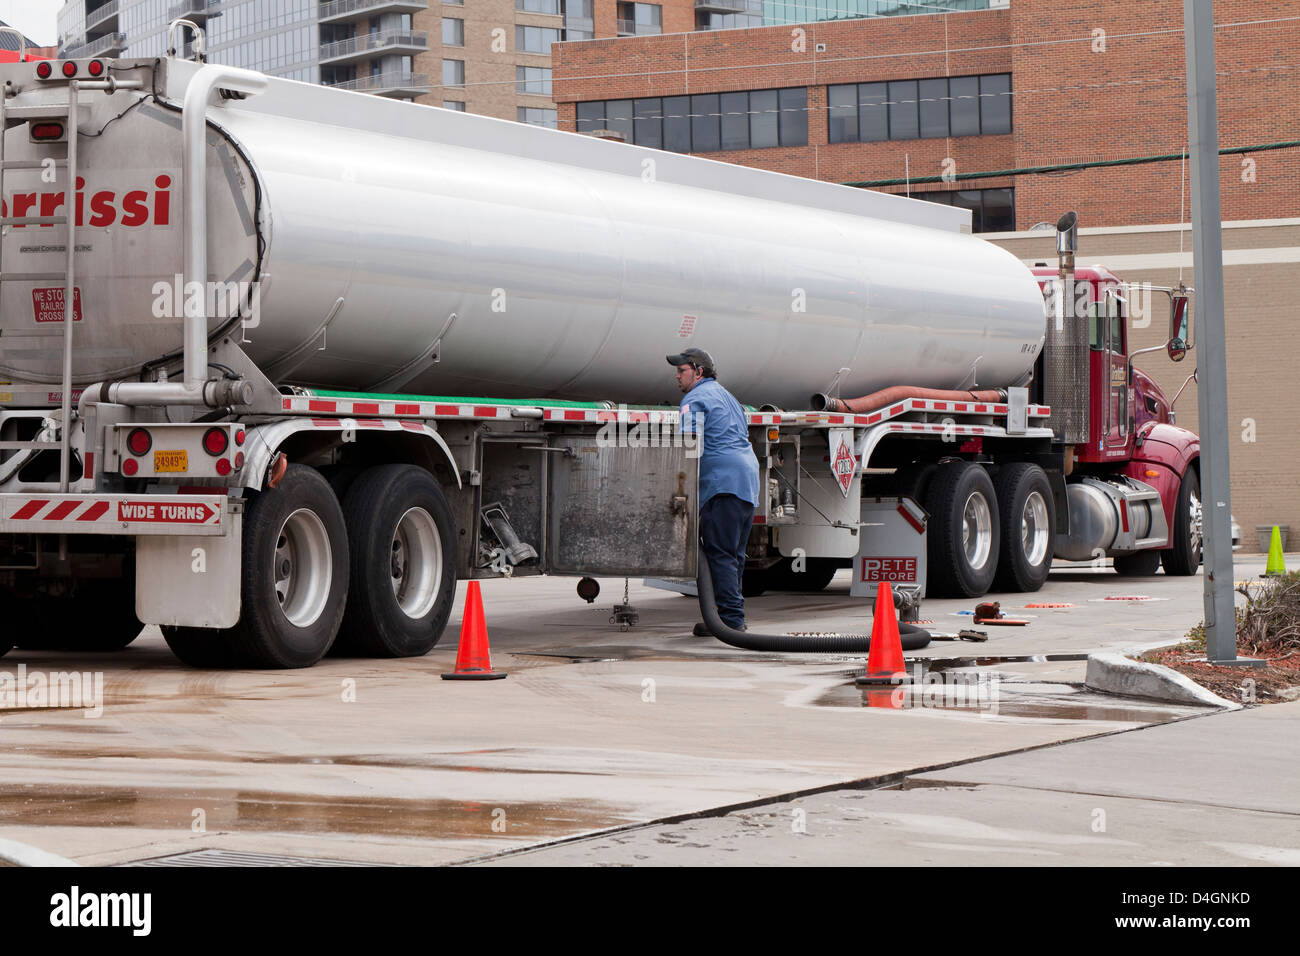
[697, 357]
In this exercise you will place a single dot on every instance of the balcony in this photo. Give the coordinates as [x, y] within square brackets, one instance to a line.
[100, 16]
[721, 6]
[196, 10]
[395, 84]
[111, 45]
[370, 45]
[344, 11]
[630, 28]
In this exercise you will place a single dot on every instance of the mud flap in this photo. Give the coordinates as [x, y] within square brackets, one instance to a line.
[189, 580]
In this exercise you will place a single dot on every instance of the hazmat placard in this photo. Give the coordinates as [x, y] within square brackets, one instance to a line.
[843, 461]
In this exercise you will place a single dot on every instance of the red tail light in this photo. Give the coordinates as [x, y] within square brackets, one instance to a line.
[223, 466]
[215, 441]
[130, 467]
[69, 68]
[95, 68]
[47, 131]
[43, 70]
[239, 437]
[239, 460]
[139, 441]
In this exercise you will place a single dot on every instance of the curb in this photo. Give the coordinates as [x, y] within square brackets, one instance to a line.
[1117, 674]
[13, 853]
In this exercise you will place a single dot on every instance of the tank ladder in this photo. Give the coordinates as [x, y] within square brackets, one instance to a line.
[12, 116]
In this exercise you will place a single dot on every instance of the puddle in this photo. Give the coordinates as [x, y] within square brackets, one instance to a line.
[240, 811]
[992, 695]
[950, 663]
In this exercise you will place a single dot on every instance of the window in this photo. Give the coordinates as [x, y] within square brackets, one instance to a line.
[533, 79]
[995, 103]
[794, 116]
[535, 39]
[591, 116]
[454, 3]
[919, 109]
[457, 105]
[647, 122]
[453, 32]
[992, 210]
[453, 72]
[536, 116]
[640, 19]
[538, 6]
[704, 122]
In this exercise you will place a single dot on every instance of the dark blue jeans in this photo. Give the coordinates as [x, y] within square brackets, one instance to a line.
[725, 521]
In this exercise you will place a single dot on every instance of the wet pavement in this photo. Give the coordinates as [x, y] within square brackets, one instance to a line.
[595, 730]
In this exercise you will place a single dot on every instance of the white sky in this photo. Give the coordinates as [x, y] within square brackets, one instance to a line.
[36, 18]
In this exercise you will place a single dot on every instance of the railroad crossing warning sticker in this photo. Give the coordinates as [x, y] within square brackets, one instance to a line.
[47, 304]
[843, 464]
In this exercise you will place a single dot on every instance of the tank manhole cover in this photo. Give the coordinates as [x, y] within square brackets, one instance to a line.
[236, 858]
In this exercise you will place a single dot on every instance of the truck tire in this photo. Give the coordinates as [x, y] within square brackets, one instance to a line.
[1028, 529]
[816, 575]
[294, 580]
[402, 539]
[964, 531]
[99, 616]
[1139, 564]
[1185, 555]
[202, 647]
[913, 481]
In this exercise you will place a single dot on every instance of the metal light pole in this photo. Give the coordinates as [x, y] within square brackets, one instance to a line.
[1211, 363]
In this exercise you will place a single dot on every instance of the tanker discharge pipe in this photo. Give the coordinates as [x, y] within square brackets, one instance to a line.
[888, 396]
[912, 637]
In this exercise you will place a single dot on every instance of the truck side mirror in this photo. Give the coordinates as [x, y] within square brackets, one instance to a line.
[1177, 345]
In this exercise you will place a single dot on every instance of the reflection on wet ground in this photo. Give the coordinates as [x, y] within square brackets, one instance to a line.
[241, 811]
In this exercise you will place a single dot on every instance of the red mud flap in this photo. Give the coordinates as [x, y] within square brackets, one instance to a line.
[114, 514]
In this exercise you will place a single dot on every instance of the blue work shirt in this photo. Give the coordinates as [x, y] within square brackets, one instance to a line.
[727, 462]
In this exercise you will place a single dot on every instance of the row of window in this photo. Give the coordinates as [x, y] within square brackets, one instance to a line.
[704, 122]
[919, 109]
[992, 210]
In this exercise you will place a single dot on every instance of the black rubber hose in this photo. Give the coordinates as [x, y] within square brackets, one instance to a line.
[913, 638]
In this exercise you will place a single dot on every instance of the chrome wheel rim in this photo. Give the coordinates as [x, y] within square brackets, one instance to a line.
[304, 567]
[416, 563]
[1033, 529]
[977, 530]
[1194, 524]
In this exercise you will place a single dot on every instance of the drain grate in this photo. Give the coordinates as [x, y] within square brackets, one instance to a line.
[236, 858]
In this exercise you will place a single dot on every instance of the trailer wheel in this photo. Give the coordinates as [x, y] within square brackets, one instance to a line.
[403, 577]
[1185, 555]
[1028, 527]
[295, 576]
[99, 616]
[1139, 564]
[203, 647]
[913, 481]
[964, 531]
[816, 575]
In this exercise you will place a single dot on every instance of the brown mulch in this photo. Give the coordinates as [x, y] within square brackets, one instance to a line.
[1229, 682]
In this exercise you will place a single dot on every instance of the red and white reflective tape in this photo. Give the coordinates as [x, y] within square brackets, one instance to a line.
[112, 514]
[415, 409]
[350, 407]
[371, 424]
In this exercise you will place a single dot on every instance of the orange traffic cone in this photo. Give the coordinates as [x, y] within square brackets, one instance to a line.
[474, 659]
[885, 658]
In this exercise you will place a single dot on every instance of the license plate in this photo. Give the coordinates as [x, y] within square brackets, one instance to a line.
[171, 461]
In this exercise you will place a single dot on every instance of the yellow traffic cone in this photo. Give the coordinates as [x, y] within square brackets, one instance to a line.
[1275, 567]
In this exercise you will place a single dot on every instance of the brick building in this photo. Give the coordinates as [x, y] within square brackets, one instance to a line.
[919, 103]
